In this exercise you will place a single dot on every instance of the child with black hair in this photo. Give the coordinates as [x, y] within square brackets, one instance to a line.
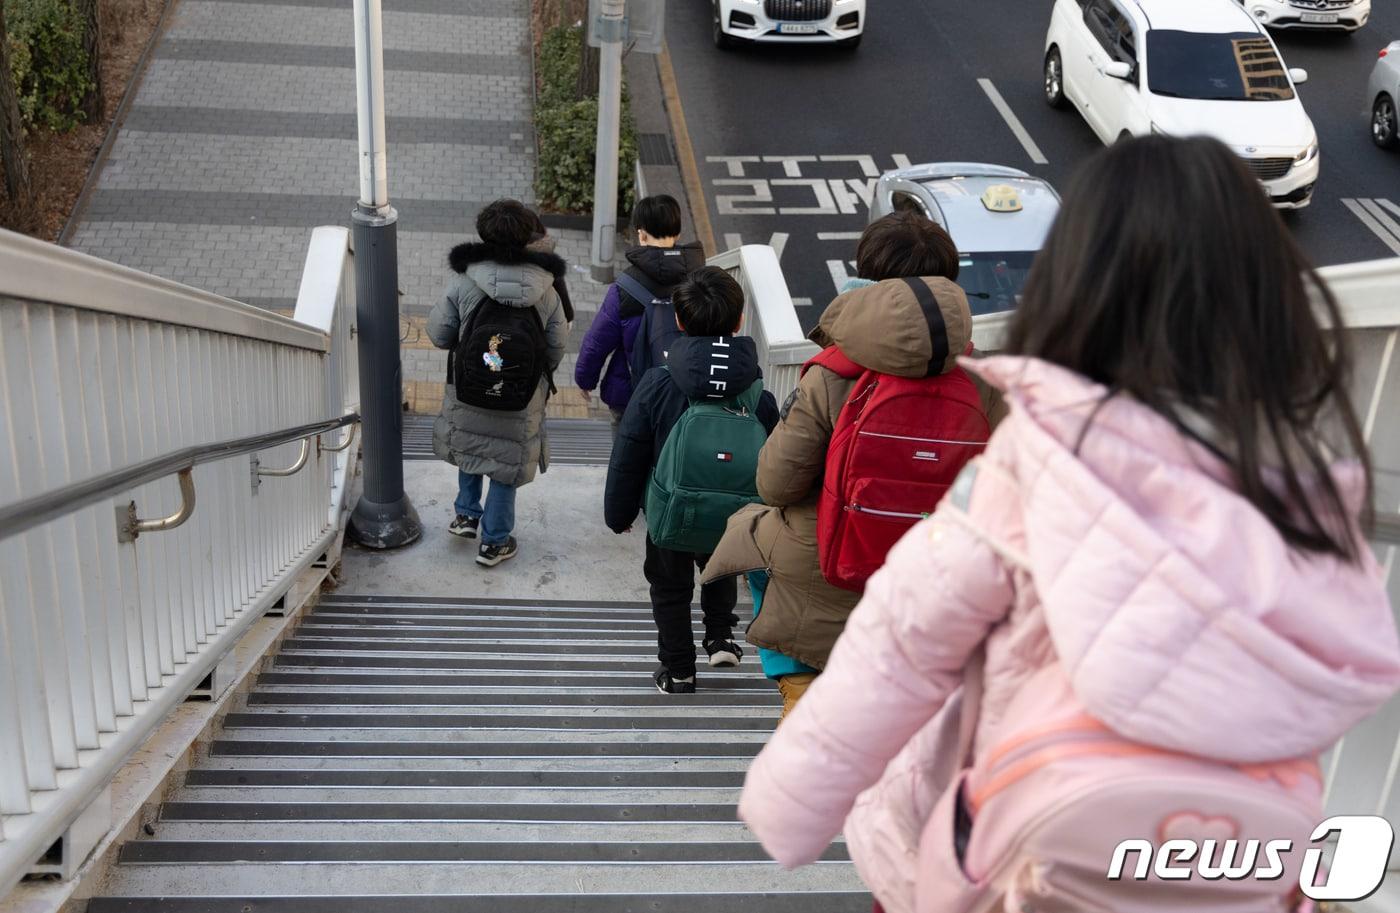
[708, 364]
[506, 267]
[655, 267]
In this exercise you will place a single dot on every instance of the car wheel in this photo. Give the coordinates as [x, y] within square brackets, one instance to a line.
[1385, 131]
[722, 41]
[1054, 80]
[849, 44]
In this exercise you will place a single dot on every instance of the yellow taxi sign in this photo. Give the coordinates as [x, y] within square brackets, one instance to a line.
[1002, 198]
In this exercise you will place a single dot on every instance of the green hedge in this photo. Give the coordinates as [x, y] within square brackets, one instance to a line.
[567, 131]
[48, 61]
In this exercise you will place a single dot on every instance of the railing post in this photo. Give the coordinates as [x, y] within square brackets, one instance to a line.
[384, 517]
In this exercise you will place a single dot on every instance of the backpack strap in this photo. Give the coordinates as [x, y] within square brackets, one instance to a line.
[937, 326]
[835, 361]
[636, 290]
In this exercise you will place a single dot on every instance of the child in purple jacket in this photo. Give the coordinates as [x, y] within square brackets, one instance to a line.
[659, 264]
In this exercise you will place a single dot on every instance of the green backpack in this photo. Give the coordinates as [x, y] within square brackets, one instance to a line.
[706, 472]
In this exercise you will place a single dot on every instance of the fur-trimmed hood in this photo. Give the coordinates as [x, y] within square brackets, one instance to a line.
[471, 252]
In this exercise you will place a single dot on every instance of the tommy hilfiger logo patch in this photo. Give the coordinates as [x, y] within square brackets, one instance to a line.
[725, 457]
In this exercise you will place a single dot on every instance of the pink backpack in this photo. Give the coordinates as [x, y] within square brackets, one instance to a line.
[1059, 791]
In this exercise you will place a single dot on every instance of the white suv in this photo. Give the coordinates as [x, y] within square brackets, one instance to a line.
[839, 22]
[1185, 67]
[1348, 15]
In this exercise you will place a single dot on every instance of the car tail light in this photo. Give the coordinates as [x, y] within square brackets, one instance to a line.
[1385, 51]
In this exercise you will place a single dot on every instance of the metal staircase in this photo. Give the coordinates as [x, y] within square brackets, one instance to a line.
[410, 755]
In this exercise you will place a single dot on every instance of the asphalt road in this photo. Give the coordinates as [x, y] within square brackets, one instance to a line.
[788, 138]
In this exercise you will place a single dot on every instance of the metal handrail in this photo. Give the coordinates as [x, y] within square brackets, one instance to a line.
[40, 509]
[292, 469]
[129, 526]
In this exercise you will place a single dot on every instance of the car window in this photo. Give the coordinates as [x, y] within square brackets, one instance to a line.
[907, 202]
[1240, 66]
[1112, 30]
[993, 280]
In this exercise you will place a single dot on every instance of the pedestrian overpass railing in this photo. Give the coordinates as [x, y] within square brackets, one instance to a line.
[769, 316]
[174, 461]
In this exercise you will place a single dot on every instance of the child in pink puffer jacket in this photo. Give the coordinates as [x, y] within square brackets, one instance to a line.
[1160, 524]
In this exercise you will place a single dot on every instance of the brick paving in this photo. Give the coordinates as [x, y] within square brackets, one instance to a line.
[242, 138]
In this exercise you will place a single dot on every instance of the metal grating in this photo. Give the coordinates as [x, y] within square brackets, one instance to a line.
[572, 441]
[654, 149]
[797, 10]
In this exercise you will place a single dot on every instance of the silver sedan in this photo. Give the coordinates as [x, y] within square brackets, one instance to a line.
[1384, 94]
[997, 216]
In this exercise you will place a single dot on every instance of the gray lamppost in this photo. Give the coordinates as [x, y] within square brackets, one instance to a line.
[383, 517]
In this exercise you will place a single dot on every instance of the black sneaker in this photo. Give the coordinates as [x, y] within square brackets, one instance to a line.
[492, 555]
[464, 526]
[724, 654]
[667, 683]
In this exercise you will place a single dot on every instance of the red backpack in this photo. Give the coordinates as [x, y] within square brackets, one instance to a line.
[898, 445]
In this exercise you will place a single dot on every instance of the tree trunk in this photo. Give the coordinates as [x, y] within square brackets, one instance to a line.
[92, 46]
[16, 165]
[587, 71]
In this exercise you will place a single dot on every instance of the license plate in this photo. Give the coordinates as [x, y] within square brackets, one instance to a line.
[1319, 18]
[807, 28]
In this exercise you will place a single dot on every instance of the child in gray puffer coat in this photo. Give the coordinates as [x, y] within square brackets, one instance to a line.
[511, 266]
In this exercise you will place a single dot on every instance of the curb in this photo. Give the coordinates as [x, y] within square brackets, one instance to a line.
[685, 152]
[114, 127]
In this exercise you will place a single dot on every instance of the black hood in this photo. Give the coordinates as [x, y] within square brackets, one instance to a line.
[664, 267]
[464, 255]
[713, 367]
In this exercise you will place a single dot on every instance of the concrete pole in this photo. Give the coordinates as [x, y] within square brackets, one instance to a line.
[610, 30]
[383, 517]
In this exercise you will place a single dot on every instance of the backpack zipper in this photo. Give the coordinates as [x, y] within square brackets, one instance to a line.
[885, 513]
[921, 440]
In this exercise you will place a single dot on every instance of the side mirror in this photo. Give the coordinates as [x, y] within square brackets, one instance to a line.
[1118, 69]
[1298, 75]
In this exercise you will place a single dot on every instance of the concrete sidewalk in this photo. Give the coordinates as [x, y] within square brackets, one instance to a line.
[242, 138]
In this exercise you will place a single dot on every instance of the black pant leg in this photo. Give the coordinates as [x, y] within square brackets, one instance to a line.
[717, 601]
[672, 578]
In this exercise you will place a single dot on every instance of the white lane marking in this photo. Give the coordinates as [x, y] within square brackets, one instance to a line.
[791, 166]
[777, 240]
[1378, 229]
[901, 161]
[1393, 207]
[735, 163]
[866, 162]
[838, 236]
[1013, 122]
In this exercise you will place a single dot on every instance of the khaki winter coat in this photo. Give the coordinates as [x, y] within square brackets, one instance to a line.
[509, 447]
[880, 327]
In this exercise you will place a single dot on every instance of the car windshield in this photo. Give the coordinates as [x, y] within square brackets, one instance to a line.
[1241, 66]
[993, 280]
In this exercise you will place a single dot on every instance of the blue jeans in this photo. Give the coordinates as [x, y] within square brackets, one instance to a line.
[498, 519]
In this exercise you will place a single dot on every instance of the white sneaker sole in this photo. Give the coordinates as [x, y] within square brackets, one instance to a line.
[462, 533]
[492, 562]
[724, 660]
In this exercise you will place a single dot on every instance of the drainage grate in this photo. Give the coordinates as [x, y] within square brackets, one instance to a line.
[572, 441]
[654, 149]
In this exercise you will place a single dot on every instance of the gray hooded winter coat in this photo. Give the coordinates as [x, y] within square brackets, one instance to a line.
[507, 446]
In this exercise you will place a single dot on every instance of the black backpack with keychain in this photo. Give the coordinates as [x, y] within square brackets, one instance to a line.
[500, 358]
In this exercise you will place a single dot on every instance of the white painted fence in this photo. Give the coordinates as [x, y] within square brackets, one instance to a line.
[110, 376]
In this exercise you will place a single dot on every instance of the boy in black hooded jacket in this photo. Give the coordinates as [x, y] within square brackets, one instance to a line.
[710, 309]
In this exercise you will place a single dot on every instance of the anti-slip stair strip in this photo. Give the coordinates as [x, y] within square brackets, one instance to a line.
[189, 851]
[659, 901]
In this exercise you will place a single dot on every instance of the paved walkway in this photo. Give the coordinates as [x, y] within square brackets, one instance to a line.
[242, 138]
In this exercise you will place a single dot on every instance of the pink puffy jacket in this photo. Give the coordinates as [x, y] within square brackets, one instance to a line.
[1224, 642]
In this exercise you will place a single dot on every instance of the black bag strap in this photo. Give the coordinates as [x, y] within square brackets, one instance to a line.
[937, 326]
[634, 287]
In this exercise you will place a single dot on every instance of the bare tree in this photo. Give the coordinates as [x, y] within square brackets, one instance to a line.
[92, 46]
[16, 164]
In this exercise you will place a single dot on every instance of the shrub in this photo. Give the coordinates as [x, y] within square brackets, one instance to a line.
[566, 130]
[48, 61]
